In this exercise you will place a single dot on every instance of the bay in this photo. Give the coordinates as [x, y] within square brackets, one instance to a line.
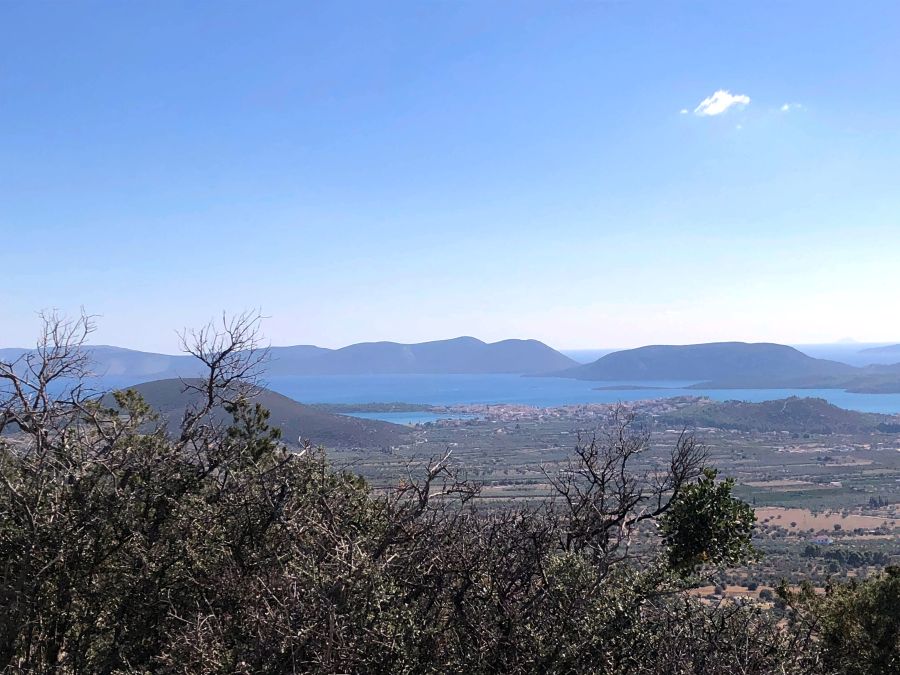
[536, 391]
[409, 418]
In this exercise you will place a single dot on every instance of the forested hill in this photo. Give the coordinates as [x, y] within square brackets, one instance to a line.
[726, 363]
[794, 415]
[296, 421]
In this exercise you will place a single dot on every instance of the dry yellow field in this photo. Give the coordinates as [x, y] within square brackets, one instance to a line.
[804, 519]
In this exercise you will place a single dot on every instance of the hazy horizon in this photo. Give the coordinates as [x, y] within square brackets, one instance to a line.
[582, 174]
[850, 346]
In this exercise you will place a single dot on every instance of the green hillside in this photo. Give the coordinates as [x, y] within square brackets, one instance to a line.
[296, 421]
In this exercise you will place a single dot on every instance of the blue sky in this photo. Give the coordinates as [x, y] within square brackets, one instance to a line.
[420, 170]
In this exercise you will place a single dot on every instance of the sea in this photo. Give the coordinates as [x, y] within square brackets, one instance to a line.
[442, 390]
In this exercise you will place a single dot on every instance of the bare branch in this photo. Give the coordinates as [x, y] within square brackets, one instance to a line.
[232, 356]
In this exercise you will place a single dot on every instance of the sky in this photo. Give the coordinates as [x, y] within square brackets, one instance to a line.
[590, 174]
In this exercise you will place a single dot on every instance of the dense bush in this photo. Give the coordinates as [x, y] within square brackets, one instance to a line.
[848, 557]
[220, 550]
[856, 624]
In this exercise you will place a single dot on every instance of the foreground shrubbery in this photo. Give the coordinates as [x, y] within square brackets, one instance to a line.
[124, 550]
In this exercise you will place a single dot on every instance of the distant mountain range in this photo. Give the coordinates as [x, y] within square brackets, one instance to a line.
[719, 365]
[296, 421]
[463, 355]
[736, 365]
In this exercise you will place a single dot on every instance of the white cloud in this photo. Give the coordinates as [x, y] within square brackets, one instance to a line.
[684, 111]
[787, 107]
[719, 102]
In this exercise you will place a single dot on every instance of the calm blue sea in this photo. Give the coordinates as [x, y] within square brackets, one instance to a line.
[416, 417]
[536, 391]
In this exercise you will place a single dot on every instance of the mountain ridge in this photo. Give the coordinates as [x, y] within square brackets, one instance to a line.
[461, 355]
[710, 362]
